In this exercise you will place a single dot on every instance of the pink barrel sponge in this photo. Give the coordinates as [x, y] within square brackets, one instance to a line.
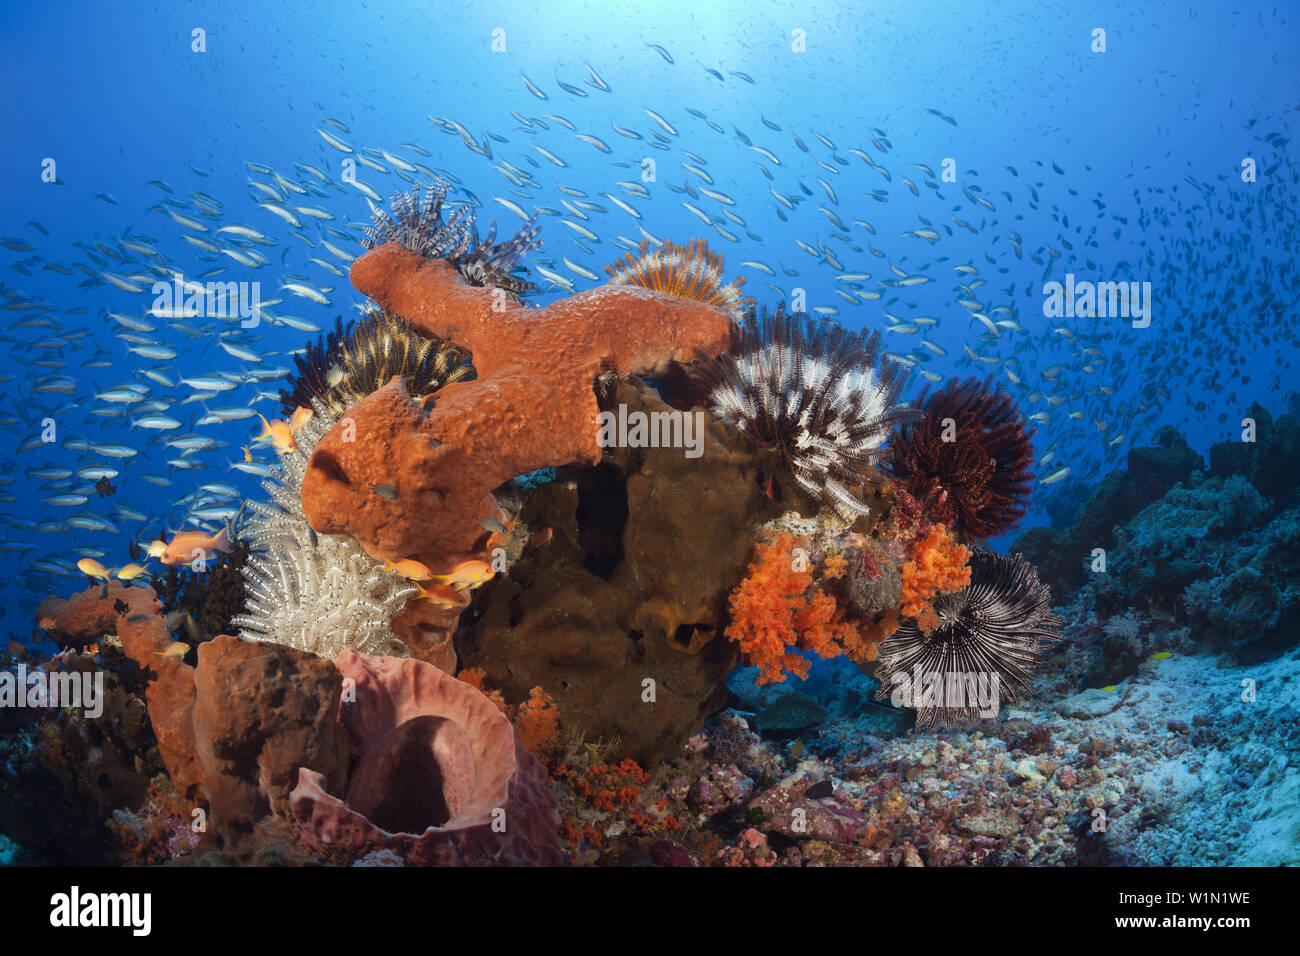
[440, 779]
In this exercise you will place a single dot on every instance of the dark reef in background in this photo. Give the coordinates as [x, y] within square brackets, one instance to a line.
[1061, 555]
[1270, 462]
[1216, 553]
[1064, 506]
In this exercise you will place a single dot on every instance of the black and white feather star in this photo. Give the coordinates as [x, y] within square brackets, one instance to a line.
[994, 628]
[817, 392]
[416, 222]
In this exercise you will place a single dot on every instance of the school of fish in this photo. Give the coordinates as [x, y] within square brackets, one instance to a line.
[948, 262]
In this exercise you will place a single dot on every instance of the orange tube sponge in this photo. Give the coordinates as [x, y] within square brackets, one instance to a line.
[531, 405]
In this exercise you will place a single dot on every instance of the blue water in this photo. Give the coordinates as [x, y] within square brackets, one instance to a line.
[1154, 130]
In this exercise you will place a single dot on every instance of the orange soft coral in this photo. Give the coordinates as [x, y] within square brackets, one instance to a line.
[610, 796]
[777, 611]
[834, 566]
[936, 565]
[866, 636]
[537, 722]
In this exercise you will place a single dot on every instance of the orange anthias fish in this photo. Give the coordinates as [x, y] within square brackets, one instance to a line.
[281, 432]
[181, 550]
[129, 572]
[500, 529]
[301, 416]
[443, 597]
[410, 569]
[93, 568]
[157, 549]
[467, 574]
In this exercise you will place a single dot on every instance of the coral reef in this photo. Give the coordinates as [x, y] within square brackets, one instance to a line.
[1149, 779]
[1157, 468]
[1251, 600]
[440, 777]
[1063, 556]
[817, 393]
[232, 731]
[968, 458]
[160, 831]
[168, 681]
[627, 579]
[610, 815]
[1268, 462]
[1163, 715]
[1164, 547]
[66, 772]
[111, 757]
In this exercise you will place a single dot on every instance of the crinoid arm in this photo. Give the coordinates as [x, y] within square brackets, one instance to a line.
[687, 272]
[819, 393]
[416, 223]
[969, 457]
[317, 593]
[367, 355]
[988, 639]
